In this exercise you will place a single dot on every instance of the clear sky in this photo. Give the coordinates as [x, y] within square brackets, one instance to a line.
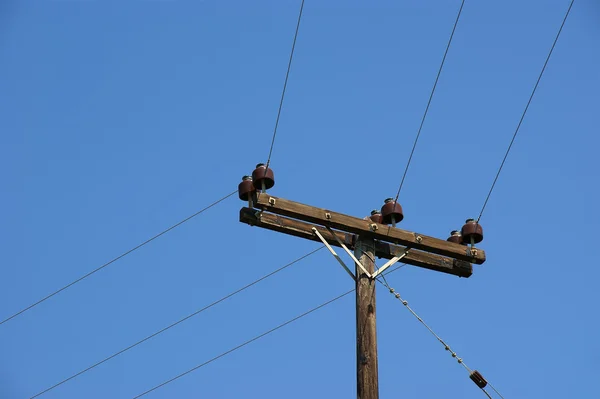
[120, 118]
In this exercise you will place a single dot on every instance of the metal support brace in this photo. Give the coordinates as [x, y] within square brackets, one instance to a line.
[349, 252]
[335, 255]
[391, 262]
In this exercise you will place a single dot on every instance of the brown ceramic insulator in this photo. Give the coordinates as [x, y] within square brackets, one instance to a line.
[375, 216]
[472, 230]
[389, 209]
[245, 188]
[478, 379]
[259, 176]
[455, 237]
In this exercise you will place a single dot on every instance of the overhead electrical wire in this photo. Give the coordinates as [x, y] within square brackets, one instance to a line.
[172, 227]
[115, 259]
[175, 323]
[189, 217]
[446, 346]
[525, 110]
[437, 78]
[287, 75]
[245, 343]
[254, 339]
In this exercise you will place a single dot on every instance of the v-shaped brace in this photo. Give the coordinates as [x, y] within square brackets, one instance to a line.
[390, 263]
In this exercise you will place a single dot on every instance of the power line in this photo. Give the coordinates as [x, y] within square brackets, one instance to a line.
[174, 324]
[430, 98]
[245, 343]
[115, 259]
[257, 337]
[446, 346]
[287, 74]
[526, 108]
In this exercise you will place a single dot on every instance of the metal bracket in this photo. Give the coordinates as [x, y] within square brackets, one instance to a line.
[391, 262]
[472, 251]
[335, 255]
[349, 253]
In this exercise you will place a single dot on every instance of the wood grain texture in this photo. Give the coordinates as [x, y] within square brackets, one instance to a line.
[351, 224]
[382, 249]
[367, 380]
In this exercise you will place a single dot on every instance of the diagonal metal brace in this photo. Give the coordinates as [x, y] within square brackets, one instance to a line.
[391, 262]
[349, 252]
[335, 255]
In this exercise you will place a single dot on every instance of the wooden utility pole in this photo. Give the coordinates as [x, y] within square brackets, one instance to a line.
[369, 240]
[367, 381]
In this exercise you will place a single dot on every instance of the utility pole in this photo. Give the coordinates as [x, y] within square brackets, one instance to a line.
[367, 381]
[370, 238]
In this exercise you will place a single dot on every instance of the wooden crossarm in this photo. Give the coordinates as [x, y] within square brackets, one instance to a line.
[324, 217]
[384, 250]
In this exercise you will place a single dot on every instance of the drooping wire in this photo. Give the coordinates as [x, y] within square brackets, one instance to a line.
[287, 74]
[175, 323]
[115, 259]
[525, 110]
[430, 98]
[245, 343]
[446, 346]
[256, 338]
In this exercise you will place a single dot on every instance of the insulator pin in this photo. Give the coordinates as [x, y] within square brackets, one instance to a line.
[472, 232]
[375, 216]
[455, 237]
[245, 188]
[263, 177]
[391, 212]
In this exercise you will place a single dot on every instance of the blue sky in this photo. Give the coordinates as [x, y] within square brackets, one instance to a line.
[120, 118]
